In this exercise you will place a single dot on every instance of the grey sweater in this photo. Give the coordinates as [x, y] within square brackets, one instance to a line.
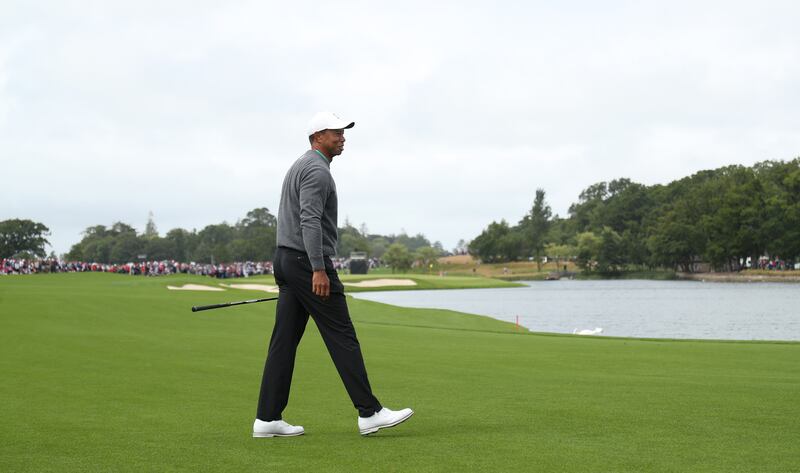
[308, 209]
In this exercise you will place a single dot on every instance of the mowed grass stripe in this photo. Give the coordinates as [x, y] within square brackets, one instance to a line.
[114, 373]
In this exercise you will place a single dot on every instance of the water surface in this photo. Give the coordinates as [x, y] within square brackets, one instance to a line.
[652, 309]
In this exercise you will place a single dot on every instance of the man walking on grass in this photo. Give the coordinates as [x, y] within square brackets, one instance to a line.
[309, 285]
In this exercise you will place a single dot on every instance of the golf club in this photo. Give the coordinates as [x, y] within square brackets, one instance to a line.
[230, 304]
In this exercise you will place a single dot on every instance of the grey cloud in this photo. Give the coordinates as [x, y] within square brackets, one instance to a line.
[194, 110]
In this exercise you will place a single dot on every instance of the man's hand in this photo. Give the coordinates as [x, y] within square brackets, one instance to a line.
[320, 284]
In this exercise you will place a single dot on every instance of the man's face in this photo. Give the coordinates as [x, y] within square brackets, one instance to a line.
[331, 142]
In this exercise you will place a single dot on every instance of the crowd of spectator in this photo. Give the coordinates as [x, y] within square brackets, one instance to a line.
[343, 264]
[776, 264]
[153, 268]
[146, 268]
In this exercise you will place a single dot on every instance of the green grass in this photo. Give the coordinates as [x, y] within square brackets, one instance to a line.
[114, 373]
[510, 271]
[425, 281]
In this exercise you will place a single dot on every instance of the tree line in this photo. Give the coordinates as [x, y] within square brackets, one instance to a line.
[719, 217]
[120, 243]
[252, 238]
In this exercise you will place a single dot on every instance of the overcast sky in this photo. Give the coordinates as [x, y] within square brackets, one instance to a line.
[194, 110]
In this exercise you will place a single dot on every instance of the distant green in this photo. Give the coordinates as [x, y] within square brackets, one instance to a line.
[424, 281]
[113, 373]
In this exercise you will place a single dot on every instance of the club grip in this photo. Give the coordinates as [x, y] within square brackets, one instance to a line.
[198, 308]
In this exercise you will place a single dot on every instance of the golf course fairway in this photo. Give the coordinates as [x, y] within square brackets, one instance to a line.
[114, 373]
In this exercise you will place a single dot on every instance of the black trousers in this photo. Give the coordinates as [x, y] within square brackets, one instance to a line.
[295, 302]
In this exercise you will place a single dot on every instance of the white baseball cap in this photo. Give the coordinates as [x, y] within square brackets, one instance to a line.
[327, 121]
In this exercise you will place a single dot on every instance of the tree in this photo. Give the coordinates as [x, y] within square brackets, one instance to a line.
[782, 208]
[732, 223]
[587, 212]
[560, 252]
[22, 235]
[181, 243]
[513, 245]
[634, 247]
[119, 228]
[213, 241]
[412, 243]
[116, 244]
[241, 250]
[150, 230]
[260, 217]
[159, 249]
[676, 238]
[626, 206]
[561, 231]
[588, 246]
[398, 257]
[255, 236]
[610, 257]
[427, 255]
[351, 239]
[98, 250]
[536, 225]
[378, 246]
[489, 245]
[127, 247]
[96, 231]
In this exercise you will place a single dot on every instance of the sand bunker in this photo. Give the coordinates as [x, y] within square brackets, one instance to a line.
[382, 283]
[194, 287]
[252, 287]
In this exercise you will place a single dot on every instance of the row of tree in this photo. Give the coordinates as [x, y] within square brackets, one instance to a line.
[720, 217]
[252, 238]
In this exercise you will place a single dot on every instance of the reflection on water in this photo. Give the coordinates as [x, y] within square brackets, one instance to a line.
[653, 309]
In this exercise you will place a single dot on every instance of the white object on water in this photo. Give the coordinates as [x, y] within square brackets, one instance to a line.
[596, 331]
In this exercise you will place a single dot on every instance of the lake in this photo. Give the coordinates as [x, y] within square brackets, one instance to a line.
[627, 308]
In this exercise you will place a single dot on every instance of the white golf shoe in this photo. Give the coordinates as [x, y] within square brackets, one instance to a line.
[276, 428]
[383, 419]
